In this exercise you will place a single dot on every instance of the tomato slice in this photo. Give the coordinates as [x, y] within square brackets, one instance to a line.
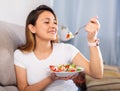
[72, 70]
[67, 66]
[53, 68]
[68, 36]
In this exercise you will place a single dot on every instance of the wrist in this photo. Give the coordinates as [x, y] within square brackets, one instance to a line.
[51, 78]
[93, 42]
[92, 39]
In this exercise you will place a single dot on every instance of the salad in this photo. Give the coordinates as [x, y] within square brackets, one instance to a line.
[64, 68]
[69, 35]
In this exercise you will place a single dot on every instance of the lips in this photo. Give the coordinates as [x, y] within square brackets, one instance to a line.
[52, 31]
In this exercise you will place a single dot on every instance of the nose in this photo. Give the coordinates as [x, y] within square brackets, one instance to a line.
[53, 25]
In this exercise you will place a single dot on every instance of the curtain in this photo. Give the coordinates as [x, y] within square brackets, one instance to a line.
[75, 13]
[117, 33]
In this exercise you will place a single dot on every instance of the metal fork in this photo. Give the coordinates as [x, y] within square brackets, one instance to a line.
[79, 30]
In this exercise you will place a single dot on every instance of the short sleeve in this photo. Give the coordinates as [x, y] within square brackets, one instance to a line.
[18, 58]
[72, 51]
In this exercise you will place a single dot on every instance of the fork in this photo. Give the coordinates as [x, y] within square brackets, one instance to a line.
[79, 30]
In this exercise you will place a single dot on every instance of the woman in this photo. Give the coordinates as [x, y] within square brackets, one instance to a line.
[32, 60]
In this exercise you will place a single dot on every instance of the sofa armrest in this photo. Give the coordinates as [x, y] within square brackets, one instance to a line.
[11, 36]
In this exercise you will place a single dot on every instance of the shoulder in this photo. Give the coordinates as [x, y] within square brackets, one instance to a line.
[18, 52]
[64, 46]
[19, 58]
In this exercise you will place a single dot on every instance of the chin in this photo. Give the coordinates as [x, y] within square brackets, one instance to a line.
[54, 40]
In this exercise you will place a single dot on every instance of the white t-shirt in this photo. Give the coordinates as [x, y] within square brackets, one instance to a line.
[39, 69]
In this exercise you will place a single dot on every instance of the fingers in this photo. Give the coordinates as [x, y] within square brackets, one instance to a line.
[94, 20]
[54, 77]
[93, 25]
[70, 77]
[92, 28]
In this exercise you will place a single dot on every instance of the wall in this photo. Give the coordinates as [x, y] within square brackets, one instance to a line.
[16, 11]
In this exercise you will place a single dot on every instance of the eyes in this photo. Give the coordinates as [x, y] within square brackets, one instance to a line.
[48, 21]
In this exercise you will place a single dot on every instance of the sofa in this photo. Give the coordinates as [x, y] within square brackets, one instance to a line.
[11, 36]
[109, 82]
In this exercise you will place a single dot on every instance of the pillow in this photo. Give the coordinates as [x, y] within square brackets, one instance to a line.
[80, 81]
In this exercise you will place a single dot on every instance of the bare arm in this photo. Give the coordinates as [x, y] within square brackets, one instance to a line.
[22, 81]
[96, 62]
[94, 67]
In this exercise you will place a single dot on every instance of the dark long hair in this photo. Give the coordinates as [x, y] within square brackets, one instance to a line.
[31, 19]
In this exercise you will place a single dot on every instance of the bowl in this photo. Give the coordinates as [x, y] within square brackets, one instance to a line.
[66, 74]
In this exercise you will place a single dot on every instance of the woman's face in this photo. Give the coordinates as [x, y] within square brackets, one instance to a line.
[46, 26]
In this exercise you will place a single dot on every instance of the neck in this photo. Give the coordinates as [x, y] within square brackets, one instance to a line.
[43, 46]
[43, 49]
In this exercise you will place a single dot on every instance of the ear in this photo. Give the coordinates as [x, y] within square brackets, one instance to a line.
[31, 28]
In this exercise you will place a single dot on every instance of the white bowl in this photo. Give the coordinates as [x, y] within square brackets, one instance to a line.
[65, 74]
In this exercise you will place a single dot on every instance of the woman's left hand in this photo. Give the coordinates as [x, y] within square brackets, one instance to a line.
[92, 28]
[54, 77]
[69, 77]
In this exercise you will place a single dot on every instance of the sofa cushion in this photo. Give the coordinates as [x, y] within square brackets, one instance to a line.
[109, 82]
[8, 88]
[11, 36]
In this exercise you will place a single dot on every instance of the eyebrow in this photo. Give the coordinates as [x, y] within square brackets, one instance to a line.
[48, 19]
